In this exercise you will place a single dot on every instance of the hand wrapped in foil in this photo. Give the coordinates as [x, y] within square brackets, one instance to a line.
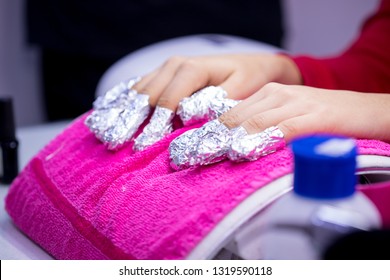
[119, 113]
[214, 142]
[204, 105]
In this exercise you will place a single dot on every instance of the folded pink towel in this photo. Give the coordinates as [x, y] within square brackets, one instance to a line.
[78, 200]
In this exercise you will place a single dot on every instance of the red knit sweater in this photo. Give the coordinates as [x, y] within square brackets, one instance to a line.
[364, 66]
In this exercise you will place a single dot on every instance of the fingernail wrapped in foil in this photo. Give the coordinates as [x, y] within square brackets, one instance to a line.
[204, 105]
[205, 145]
[160, 125]
[250, 147]
[117, 114]
[113, 96]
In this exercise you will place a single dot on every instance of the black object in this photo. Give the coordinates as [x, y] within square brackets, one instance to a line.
[361, 245]
[8, 142]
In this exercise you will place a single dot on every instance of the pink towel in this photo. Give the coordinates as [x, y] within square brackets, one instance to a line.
[78, 200]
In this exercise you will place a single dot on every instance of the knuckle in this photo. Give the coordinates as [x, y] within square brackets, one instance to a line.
[272, 87]
[194, 71]
[230, 119]
[276, 89]
[175, 60]
[145, 90]
[256, 124]
[190, 65]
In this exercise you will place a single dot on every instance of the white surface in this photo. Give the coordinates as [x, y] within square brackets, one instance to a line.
[13, 243]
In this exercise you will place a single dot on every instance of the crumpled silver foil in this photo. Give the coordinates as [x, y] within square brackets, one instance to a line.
[250, 147]
[117, 114]
[113, 96]
[160, 124]
[214, 142]
[202, 146]
[204, 105]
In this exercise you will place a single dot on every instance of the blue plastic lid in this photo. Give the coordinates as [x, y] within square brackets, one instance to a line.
[324, 166]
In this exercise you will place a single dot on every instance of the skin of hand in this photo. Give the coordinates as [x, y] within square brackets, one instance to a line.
[239, 74]
[299, 110]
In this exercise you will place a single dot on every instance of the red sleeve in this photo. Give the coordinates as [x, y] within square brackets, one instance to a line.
[364, 66]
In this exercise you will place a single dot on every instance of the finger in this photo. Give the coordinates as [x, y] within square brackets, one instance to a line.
[145, 80]
[155, 83]
[238, 87]
[300, 126]
[261, 121]
[248, 108]
[191, 76]
[241, 112]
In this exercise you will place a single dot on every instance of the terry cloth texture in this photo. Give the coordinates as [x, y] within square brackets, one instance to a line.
[78, 200]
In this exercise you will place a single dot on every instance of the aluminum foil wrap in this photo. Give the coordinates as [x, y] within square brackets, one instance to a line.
[202, 146]
[204, 105]
[160, 125]
[250, 147]
[117, 114]
[112, 96]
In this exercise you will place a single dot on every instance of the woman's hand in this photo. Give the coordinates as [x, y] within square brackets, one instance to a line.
[299, 110]
[180, 77]
[239, 75]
